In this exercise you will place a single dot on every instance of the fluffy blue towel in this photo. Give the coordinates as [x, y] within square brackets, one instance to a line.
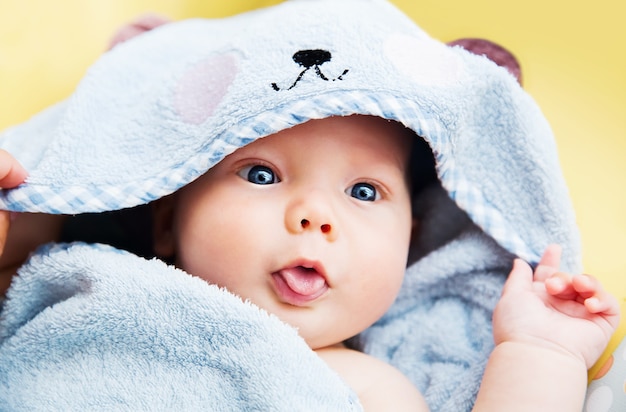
[107, 330]
[158, 111]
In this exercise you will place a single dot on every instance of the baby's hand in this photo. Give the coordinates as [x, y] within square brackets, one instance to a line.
[11, 174]
[11, 171]
[570, 313]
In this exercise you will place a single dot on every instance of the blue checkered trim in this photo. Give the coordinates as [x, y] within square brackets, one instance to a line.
[469, 198]
[71, 200]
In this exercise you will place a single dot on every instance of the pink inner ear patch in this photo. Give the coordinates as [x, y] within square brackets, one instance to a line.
[423, 60]
[203, 86]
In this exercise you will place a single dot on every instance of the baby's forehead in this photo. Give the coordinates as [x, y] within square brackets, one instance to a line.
[348, 134]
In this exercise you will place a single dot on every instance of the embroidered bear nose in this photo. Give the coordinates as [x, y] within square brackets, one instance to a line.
[310, 58]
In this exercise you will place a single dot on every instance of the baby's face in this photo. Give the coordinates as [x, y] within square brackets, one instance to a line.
[311, 224]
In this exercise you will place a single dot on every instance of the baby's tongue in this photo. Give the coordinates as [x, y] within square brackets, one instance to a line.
[303, 281]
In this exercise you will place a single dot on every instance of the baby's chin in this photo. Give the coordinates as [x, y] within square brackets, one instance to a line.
[327, 338]
[315, 338]
[321, 345]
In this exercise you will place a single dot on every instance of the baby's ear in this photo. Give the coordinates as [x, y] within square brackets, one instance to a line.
[163, 227]
[493, 51]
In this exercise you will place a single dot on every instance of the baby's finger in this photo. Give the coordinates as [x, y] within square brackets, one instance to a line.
[12, 173]
[604, 305]
[586, 285]
[520, 278]
[597, 300]
[552, 256]
[549, 263]
[560, 285]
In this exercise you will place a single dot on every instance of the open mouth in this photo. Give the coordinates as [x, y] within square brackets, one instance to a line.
[300, 284]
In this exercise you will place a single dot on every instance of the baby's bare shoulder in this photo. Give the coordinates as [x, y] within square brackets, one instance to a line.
[379, 385]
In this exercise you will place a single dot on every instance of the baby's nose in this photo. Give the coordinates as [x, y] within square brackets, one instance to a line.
[325, 227]
[312, 213]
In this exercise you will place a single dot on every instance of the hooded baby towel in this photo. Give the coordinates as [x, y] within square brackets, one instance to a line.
[158, 111]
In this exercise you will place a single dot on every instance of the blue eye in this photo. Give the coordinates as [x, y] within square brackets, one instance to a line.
[259, 175]
[364, 192]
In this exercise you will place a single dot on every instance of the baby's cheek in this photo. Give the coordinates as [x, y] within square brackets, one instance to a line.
[385, 286]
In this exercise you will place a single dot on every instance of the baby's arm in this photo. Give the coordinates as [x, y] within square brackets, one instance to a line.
[548, 331]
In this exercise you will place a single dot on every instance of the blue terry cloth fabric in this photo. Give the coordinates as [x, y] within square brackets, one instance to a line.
[107, 330]
[158, 111]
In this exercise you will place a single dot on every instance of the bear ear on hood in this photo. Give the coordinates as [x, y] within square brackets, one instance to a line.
[493, 51]
[141, 24]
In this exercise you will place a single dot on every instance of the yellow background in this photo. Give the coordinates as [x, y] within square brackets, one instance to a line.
[573, 57]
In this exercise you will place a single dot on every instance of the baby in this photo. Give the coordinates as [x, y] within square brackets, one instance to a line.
[314, 223]
[317, 231]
